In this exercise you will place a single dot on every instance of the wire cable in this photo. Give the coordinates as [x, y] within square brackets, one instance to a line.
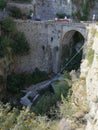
[71, 60]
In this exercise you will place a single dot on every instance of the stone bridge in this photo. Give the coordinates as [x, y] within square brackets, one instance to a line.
[49, 42]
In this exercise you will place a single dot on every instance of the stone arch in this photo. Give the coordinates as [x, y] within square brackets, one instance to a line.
[72, 41]
[81, 30]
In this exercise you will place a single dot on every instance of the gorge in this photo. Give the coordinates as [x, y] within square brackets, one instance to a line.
[53, 58]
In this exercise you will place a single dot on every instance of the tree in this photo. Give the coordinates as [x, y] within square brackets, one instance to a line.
[2, 4]
[12, 43]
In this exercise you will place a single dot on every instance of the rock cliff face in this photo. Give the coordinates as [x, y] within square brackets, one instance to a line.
[92, 87]
[45, 9]
[48, 9]
[84, 9]
[89, 72]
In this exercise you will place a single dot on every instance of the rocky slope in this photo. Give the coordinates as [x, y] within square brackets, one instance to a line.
[87, 90]
[92, 86]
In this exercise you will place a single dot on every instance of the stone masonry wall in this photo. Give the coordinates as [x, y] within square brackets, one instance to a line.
[47, 9]
[43, 38]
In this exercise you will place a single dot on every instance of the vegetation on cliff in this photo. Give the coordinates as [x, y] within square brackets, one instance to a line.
[12, 44]
[2, 4]
[51, 109]
[83, 9]
[11, 38]
[52, 106]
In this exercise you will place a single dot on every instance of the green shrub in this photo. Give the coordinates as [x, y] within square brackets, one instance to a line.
[96, 23]
[20, 45]
[47, 103]
[15, 12]
[35, 77]
[90, 56]
[60, 15]
[44, 105]
[16, 40]
[39, 76]
[83, 12]
[8, 26]
[66, 75]
[2, 4]
[96, 34]
[93, 31]
[67, 109]
[23, 120]
[1, 79]
[62, 88]
[91, 42]
[17, 82]
[4, 46]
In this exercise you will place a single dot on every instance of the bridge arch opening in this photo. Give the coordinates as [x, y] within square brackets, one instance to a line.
[71, 50]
